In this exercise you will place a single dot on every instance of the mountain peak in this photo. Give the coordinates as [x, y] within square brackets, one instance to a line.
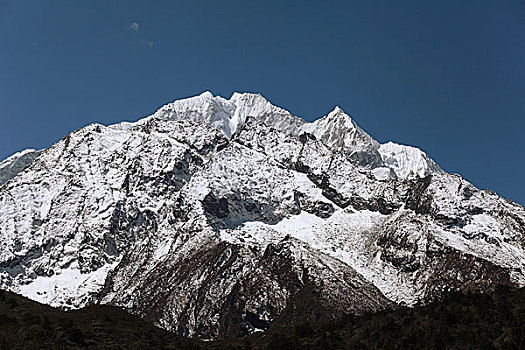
[407, 160]
[206, 94]
[247, 96]
[337, 110]
[227, 115]
[343, 118]
[337, 130]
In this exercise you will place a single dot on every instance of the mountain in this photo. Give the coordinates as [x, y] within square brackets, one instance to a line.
[216, 218]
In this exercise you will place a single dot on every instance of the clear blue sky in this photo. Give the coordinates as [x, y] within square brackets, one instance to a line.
[446, 76]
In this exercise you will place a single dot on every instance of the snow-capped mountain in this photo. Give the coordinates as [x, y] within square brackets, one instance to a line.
[217, 217]
[14, 164]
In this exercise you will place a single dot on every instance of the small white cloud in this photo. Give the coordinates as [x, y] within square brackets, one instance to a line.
[148, 43]
[134, 26]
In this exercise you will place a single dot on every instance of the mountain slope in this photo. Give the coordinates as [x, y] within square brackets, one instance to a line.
[216, 218]
[16, 163]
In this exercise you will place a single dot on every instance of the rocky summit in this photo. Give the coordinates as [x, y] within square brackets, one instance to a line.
[216, 218]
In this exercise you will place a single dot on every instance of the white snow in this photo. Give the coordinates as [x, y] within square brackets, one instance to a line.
[225, 115]
[68, 288]
[407, 161]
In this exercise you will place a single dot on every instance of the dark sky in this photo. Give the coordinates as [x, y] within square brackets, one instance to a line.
[446, 76]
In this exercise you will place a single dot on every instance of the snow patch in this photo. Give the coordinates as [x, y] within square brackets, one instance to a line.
[69, 288]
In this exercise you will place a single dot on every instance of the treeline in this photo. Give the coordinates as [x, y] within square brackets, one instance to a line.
[25, 324]
[459, 321]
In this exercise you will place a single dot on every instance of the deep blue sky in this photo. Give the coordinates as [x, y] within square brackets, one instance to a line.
[446, 76]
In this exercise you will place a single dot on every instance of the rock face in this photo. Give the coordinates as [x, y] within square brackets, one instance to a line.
[215, 218]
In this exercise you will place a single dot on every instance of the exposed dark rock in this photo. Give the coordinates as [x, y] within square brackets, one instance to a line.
[416, 198]
[318, 208]
[254, 321]
[249, 206]
[454, 270]
[215, 207]
[450, 222]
